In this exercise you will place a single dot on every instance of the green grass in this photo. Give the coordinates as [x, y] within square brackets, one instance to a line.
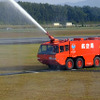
[58, 85]
[19, 57]
[76, 31]
[51, 85]
[18, 32]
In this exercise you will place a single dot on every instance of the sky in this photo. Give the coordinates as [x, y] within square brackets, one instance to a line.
[52, 1]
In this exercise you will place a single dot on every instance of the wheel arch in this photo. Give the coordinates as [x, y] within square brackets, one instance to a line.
[76, 58]
[69, 58]
[80, 57]
[96, 56]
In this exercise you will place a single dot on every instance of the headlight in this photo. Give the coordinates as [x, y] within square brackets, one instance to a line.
[50, 58]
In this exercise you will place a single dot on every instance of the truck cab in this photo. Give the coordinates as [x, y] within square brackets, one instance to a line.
[55, 53]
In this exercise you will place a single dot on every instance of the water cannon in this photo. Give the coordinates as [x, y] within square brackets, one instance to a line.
[52, 39]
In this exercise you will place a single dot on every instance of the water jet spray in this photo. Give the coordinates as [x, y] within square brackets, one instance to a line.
[22, 11]
[27, 15]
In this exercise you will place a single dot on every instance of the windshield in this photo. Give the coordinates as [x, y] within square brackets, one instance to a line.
[48, 49]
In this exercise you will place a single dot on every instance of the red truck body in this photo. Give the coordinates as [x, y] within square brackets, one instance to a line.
[77, 52]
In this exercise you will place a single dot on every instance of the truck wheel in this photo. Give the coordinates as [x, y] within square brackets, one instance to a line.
[69, 64]
[79, 63]
[96, 61]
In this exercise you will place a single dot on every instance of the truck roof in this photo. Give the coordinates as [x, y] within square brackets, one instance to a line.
[70, 39]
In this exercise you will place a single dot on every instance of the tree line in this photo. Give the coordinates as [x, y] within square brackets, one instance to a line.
[47, 13]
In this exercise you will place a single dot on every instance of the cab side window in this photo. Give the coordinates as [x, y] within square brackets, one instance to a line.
[61, 48]
[56, 49]
[66, 47]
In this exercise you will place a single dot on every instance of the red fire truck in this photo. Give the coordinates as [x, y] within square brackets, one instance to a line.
[77, 52]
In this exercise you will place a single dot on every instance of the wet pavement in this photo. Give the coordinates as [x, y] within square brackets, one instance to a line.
[5, 41]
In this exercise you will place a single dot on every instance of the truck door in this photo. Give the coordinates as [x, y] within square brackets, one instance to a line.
[63, 54]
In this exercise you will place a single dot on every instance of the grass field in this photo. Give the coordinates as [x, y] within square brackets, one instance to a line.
[31, 32]
[19, 57]
[55, 85]
[61, 85]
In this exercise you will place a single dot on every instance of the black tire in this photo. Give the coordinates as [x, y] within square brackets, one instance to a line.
[69, 64]
[97, 62]
[79, 63]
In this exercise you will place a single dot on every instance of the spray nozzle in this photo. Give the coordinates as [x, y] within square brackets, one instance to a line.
[52, 39]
